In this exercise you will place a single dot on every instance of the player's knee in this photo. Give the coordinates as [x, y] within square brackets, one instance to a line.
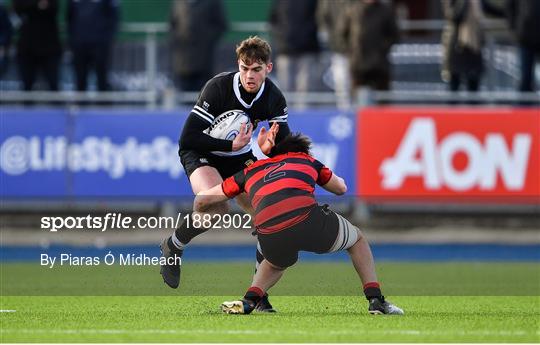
[276, 267]
[221, 208]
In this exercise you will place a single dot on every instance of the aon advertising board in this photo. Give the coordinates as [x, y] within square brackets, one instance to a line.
[468, 154]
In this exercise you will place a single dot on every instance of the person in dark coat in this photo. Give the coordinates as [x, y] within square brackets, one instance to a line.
[371, 32]
[331, 16]
[38, 47]
[92, 25]
[463, 40]
[6, 33]
[294, 32]
[195, 28]
[524, 20]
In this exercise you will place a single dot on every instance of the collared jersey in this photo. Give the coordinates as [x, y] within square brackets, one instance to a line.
[224, 93]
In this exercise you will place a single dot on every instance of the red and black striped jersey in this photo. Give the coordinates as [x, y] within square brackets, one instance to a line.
[280, 189]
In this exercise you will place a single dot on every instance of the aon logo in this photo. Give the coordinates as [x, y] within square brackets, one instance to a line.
[421, 155]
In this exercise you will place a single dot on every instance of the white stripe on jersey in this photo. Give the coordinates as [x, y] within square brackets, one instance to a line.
[204, 111]
[236, 89]
[282, 118]
[195, 111]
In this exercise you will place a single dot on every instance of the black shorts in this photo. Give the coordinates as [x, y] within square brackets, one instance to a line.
[317, 233]
[226, 166]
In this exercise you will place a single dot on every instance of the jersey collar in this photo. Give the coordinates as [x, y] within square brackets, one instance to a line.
[236, 88]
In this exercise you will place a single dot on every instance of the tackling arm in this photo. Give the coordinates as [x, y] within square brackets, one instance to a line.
[336, 185]
[206, 198]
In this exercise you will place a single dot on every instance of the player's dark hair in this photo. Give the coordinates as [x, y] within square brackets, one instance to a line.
[293, 142]
[254, 49]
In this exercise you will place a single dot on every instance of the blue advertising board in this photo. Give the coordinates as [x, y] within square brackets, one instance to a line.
[32, 159]
[130, 153]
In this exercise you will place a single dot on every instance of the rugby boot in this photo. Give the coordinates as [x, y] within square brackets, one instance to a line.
[243, 306]
[378, 307]
[170, 271]
[264, 305]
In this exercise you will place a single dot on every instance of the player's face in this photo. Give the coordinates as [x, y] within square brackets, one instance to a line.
[252, 76]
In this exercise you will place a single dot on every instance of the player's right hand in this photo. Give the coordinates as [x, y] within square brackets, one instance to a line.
[243, 138]
[267, 139]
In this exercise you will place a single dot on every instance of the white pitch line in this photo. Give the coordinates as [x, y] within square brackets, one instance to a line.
[269, 332]
[7, 311]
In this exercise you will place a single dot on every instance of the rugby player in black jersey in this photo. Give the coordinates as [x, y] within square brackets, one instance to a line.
[288, 219]
[207, 160]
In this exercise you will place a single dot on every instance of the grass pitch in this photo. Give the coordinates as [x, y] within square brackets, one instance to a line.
[300, 319]
[317, 302]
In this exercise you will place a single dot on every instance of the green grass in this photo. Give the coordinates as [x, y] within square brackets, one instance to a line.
[317, 302]
[305, 278]
[300, 319]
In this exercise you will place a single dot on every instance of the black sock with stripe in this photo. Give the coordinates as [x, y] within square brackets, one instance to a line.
[186, 232]
[373, 290]
[254, 295]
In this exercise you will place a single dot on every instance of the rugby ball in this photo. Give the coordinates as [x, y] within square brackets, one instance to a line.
[227, 125]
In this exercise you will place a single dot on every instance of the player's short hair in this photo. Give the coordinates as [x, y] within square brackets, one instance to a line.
[293, 142]
[254, 49]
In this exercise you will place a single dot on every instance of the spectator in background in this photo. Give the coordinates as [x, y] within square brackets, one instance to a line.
[330, 18]
[92, 25]
[38, 47]
[524, 20]
[371, 30]
[294, 30]
[462, 40]
[6, 31]
[195, 28]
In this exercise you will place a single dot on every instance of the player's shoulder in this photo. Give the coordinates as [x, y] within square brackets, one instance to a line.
[273, 88]
[221, 79]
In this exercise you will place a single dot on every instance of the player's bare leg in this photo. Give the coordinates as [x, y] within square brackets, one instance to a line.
[264, 304]
[203, 178]
[362, 259]
[266, 276]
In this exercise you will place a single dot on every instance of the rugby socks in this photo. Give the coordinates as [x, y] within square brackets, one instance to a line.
[185, 233]
[254, 294]
[373, 290]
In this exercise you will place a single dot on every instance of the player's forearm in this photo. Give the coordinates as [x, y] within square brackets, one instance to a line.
[336, 185]
[203, 142]
[206, 198]
[193, 138]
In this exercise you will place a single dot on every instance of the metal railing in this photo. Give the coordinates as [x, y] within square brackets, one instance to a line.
[153, 96]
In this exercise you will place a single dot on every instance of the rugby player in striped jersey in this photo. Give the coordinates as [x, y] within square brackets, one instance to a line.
[288, 219]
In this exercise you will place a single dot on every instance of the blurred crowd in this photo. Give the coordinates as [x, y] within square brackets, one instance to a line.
[359, 34]
[90, 29]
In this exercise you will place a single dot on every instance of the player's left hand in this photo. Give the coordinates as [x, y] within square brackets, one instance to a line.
[243, 137]
[267, 139]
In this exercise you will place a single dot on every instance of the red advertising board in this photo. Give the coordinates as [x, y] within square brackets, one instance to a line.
[449, 154]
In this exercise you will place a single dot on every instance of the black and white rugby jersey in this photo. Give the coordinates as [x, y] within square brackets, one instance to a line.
[222, 93]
